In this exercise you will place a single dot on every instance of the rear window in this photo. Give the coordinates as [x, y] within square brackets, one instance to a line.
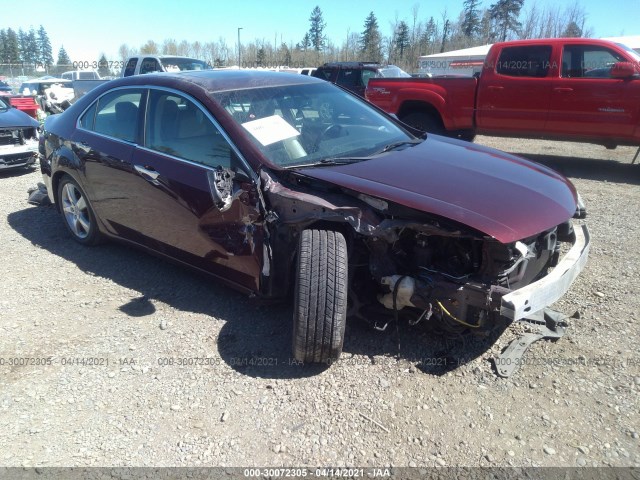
[530, 61]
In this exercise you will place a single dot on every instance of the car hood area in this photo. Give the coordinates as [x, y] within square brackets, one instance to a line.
[498, 194]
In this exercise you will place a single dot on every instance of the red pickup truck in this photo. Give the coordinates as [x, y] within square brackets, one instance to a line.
[562, 88]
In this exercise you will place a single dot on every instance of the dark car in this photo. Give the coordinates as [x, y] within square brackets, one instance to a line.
[18, 137]
[237, 174]
[354, 76]
[5, 88]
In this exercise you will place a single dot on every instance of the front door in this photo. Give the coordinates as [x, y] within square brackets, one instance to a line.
[586, 101]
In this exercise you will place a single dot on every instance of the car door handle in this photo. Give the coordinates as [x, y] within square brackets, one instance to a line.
[563, 90]
[496, 88]
[148, 173]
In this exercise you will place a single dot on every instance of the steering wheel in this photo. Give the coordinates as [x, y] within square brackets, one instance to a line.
[331, 131]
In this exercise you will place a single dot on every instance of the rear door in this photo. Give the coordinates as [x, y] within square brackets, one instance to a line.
[587, 101]
[104, 140]
[514, 94]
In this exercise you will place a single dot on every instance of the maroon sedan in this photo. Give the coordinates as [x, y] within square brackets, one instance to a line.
[270, 181]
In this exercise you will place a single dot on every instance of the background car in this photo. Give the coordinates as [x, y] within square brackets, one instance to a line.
[18, 137]
[354, 76]
[240, 174]
[5, 88]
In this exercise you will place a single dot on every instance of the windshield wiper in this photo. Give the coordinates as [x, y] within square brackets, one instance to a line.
[395, 145]
[329, 162]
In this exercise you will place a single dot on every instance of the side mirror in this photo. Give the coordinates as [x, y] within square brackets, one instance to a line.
[623, 70]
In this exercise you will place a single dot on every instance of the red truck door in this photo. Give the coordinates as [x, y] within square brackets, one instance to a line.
[585, 100]
[514, 91]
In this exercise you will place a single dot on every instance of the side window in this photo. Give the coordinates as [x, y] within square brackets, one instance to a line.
[366, 75]
[150, 65]
[176, 126]
[586, 61]
[117, 114]
[348, 78]
[87, 120]
[130, 68]
[532, 62]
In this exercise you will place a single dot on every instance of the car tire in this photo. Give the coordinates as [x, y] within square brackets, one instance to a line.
[320, 304]
[77, 212]
[424, 122]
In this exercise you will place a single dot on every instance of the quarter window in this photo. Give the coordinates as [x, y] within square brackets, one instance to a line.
[176, 126]
[532, 61]
[115, 114]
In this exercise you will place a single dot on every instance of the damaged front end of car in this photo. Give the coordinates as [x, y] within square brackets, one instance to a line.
[420, 266]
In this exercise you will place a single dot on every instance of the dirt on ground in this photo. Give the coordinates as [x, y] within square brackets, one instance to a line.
[132, 361]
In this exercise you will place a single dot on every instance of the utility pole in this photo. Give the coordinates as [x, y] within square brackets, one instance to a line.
[239, 47]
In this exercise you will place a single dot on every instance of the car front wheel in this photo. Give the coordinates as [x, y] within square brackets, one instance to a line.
[320, 305]
[78, 214]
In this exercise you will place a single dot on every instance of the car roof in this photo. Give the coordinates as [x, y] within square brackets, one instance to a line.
[218, 80]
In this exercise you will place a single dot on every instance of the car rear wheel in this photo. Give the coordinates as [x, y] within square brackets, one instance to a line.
[78, 214]
[320, 305]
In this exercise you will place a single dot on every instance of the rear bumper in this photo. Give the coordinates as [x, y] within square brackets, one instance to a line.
[538, 295]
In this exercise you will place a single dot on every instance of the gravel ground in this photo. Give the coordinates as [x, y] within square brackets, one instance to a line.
[574, 403]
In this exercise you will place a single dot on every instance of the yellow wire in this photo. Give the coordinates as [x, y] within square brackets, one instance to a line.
[454, 318]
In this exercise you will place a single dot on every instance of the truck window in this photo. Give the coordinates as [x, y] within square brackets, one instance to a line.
[348, 78]
[150, 65]
[531, 61]
[130, 68]
[588, 61]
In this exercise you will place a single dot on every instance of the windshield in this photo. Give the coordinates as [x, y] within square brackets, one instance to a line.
[629, 50]
[308, 124]
[4, 105]
[178, 64]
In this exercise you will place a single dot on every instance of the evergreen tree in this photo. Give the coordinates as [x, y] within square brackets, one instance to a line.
[11, 48]
[22, 44]
[402, 38]
[305, 43]
[572, 30]
[429, 36]
[285, 54]
[30, 54]
[103, 66]
[45, 55]
[370, 40]
[316, 30]
[260, 56]
[3, 46]
[471, 18]
[63, 58]
[505, 14]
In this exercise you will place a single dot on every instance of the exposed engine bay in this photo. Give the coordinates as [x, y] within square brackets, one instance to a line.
[410, 264]
[455, 279]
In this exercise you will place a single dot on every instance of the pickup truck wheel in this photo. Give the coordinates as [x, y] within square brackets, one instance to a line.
[78, 214]
[424, 122]
[320, 304]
